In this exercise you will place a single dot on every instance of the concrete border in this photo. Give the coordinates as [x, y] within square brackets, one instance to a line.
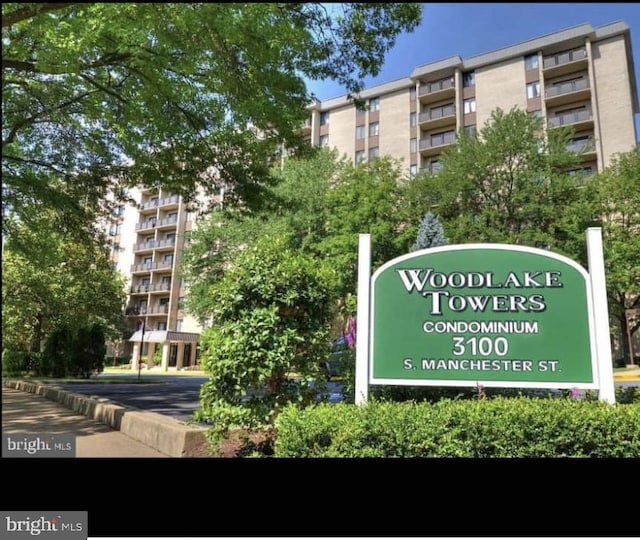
[162, 433]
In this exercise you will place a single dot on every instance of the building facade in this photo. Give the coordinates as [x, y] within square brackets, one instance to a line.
[147, 241]
[581, 77]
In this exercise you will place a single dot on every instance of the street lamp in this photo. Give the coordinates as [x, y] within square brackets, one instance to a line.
[144, 328]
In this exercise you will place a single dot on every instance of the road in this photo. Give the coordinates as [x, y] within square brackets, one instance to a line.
[174, 395]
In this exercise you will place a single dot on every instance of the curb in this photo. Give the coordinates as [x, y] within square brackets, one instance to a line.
[633, 376]
[159, 432]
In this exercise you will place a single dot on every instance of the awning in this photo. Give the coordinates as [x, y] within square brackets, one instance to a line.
[160, 336]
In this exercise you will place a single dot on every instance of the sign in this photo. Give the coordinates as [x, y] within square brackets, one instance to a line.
[499, 314]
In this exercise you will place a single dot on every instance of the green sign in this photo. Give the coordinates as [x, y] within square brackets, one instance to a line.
[498, 314]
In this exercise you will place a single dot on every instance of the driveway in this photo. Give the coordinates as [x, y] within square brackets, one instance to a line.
[177, 396]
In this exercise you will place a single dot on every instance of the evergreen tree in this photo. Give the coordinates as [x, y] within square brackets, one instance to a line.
[430, 233]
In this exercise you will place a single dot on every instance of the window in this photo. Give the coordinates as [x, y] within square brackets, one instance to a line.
[413, 145]
[324, 140]
[533, 90]
[181, 302]
[413, 170]
[149, 240]
[412, 119]
[324, 118]
[120, 211]
[468, 79]
[170, 238]
[537, 114]
[469, 105]
[165, 280]
[374, 104]
[435, 166]
[147, 262]
[374, 129]
[359, 156]
[179, 325]
[168, 258]
[374, 153]
[161, 326]
[360, 132]
[412, 93]
[531, 62]
[470, 131]
[145, 281]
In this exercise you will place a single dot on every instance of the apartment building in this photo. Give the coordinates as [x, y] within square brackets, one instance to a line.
[581, 77]
[147, 241]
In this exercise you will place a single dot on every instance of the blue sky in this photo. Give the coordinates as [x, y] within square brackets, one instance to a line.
[468, 29]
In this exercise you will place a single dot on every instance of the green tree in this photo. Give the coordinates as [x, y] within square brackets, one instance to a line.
[508, 185]
[172, 94]
[56, 281]
[88, 350]
[430, 233]
[364, 199]
[271, 319]
[616, 193]
[294, 207]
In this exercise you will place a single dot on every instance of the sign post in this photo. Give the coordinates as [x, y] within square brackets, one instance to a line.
[362, 316]
[595, 257]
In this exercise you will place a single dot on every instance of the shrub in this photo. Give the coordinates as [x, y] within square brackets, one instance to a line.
[14, 363]
[495, 427]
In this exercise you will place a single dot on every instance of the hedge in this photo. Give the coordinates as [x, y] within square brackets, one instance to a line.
[497, 427]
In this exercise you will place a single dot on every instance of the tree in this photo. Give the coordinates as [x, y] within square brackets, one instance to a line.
[171, 94]
[56, 282]
[430, 233]
[271, 319]
[364, 199]
[616, 192]
[509, 185]
[294, 207]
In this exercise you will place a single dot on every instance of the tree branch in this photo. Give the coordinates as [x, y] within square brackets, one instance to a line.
[105, 89]
[31, 11]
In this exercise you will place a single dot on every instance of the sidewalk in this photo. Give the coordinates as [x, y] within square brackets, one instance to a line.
[23, 412]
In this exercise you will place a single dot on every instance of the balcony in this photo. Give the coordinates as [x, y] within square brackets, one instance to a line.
[437, 117]
[172, 200]
[167, 222]
[148, 267]
[166, 244]
[568, 92]
[565, 62]
[135, 311]
[430, 146]
[141, 267]
[305, 129]
[577, 119]
[431, 92]
[158, 310]
[149, 205]
[144, 225]
[163, 286]
[140, 289]
[144, 246]
[584, 146]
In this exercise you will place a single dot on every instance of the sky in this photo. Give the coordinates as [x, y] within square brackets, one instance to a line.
[469, 29]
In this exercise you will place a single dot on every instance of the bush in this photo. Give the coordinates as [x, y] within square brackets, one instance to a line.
[495, 427]
[271, 318]
[14, 363]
